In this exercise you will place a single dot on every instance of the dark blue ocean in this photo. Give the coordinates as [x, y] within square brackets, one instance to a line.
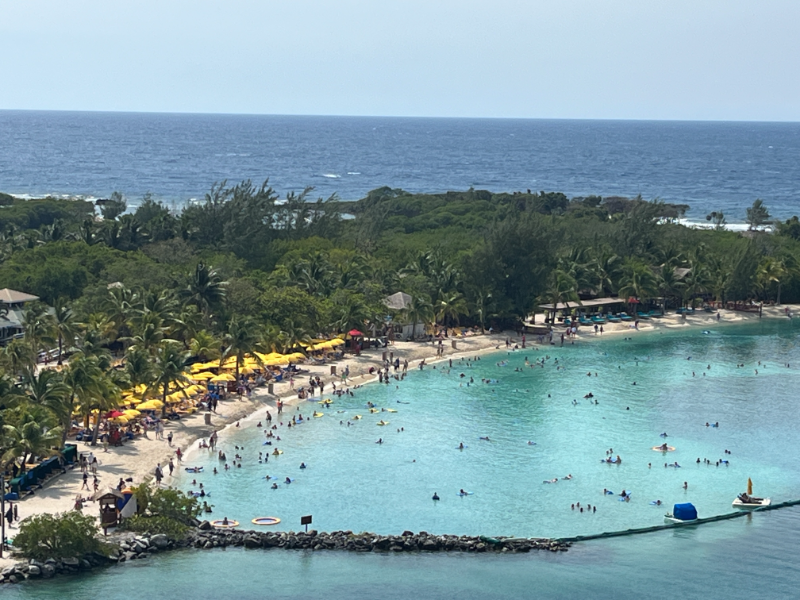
[177, 157]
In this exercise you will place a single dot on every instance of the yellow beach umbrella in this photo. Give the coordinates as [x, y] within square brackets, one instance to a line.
[224, 377]
[132, 400]
[202, 376]
[131, 412]
[119, 420]
[336, 342]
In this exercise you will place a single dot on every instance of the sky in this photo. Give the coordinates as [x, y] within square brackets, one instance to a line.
[583, 59]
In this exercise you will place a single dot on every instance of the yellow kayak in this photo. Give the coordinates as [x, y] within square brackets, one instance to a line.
[357, 417]
[319, 414]
[390, 410]
[382, 423]
[374, 410]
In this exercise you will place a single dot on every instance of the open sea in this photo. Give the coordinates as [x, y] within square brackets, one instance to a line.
[177, 157]
[353, 483]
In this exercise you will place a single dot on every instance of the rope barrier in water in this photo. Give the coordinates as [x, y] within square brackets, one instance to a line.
[715, 518]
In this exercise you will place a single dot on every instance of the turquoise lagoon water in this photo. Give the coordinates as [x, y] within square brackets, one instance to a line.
[353, 483]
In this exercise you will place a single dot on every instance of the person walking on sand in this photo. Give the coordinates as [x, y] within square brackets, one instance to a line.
[10, 515]
[159, 474]
[169, 438]
[179, 454]
[171, 466]
[85, 480]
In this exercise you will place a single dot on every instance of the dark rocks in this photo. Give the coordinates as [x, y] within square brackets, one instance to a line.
[204, 536]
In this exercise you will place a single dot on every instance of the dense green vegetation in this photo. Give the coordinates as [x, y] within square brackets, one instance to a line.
[244, 270]
[162, 510]
[66, 535]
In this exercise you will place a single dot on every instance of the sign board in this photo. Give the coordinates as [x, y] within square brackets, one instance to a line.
[305, 520]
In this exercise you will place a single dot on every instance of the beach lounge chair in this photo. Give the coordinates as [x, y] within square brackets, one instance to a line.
[643, 315]
[584, 321]
[625, 317]
[614, 319]
[598, 319]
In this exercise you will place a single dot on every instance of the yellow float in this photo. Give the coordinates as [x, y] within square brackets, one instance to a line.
[220, 524]
[663, 449]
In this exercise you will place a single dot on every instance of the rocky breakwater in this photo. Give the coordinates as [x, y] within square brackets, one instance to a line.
[125, 547]
[207, 537]
[122, 548]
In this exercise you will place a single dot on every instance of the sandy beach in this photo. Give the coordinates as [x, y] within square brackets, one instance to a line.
[138, 459]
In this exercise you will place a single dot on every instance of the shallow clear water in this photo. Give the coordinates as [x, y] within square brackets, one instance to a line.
[353, 483]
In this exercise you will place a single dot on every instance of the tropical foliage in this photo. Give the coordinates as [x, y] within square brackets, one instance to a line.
[242, 271]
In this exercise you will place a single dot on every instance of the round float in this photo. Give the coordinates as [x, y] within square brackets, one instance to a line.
[661, 449]
[218, 524]
[266, 521]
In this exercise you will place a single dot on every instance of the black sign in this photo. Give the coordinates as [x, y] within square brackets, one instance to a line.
[305, 520]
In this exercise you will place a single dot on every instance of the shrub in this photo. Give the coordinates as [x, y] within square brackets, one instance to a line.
[153, 525]
[166, 511]
[65, 535]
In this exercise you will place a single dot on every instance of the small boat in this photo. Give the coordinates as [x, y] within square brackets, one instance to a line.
[684, 513]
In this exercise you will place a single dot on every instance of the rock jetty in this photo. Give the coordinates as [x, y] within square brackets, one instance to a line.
[136, 547]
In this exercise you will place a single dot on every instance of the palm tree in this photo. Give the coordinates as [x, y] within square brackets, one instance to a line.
[148, 332]
[101, 396]
[19, 356]
[27, 439]
[420, 311]
[769, 271]
[562, 289]
[450, 305]
[204, 346]
[292, 335]
[63, 324]
[481, 305]
[242, 338]
[89, 387]
[139, 368]
[47, 389]
[637, 281]
[205, 289]
[169, 369]
[118, 307]
[37, 324]
[668, 283]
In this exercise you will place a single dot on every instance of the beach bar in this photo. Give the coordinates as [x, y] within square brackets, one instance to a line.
[596, 303]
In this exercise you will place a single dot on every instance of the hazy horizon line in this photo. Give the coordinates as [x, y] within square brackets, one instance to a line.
[380, 116]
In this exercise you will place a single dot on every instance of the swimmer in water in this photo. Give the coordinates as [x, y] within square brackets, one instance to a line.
[302, 465]
[461, 446]
[485, 438]
[435, 496]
